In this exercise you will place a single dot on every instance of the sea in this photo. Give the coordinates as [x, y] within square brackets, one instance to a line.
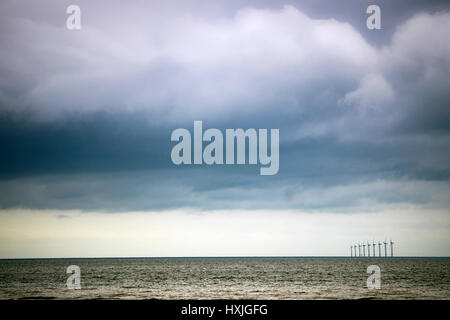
[294, 278]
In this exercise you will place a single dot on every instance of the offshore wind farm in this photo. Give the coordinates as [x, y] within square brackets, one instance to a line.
[355, 249]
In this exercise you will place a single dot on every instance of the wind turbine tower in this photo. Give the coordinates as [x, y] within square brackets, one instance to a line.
[368, 249]
[359, 249]
[373, 246]
[351, 251]
[385, 248]
[392, 248]
[364, 249]
[379, 248]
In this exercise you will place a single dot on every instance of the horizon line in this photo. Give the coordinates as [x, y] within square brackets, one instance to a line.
[211, 257]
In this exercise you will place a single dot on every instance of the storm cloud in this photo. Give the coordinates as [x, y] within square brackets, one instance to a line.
[86, 115]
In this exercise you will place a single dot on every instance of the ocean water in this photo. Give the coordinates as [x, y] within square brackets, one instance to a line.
[226, 278]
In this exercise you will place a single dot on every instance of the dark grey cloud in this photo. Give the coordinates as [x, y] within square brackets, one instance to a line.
[83, 143]
[206, 189]
[86, 117]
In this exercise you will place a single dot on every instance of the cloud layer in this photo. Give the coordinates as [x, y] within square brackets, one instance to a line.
[85, 113]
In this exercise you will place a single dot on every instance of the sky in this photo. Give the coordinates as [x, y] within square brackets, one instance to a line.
[86, 118]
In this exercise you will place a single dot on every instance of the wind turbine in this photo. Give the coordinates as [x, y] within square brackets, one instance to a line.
[392, 248]
[385, 248]
[359, 249]
[368, 249]
[373, 246]
[364, 249]
[379, 248]
[351, 251]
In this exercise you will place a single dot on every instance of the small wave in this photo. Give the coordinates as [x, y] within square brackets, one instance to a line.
[37, 298]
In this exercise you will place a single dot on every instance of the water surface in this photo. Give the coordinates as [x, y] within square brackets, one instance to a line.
[226, 278]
